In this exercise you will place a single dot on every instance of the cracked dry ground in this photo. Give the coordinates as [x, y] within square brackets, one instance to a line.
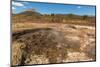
[38, 43]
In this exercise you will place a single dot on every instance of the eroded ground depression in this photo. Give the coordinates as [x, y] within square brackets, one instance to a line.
[55, 44]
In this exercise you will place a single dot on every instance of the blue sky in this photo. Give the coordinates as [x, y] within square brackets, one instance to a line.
[48, 8]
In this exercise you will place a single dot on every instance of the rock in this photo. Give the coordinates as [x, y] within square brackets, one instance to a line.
[77, 57]
[53, 45]
[49, 43]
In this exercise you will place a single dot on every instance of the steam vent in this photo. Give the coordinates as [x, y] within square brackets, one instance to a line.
[40, 46]
[53, 45]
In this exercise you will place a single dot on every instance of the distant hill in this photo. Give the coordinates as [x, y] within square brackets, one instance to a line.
[27, 15]
[34, 16]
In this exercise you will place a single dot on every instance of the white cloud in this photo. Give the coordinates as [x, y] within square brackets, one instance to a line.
[25, 2]
[79, 7]
[17, 4]
[13, 8]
